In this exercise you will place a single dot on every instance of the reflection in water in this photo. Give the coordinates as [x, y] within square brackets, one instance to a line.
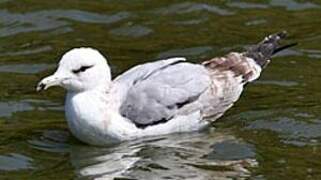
[51, 141]
[231, 150]
[181, 156]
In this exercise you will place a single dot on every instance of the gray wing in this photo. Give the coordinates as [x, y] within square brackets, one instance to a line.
[158, 95]
[144, 70]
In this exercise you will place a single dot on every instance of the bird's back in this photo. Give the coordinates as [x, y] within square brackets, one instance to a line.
[179, 88]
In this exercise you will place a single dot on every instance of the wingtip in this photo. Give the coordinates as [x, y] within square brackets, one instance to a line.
[271, 45]
[276, 36]
[284, 47]
[283, 34]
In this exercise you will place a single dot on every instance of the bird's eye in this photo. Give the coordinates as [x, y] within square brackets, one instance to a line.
[81, 69]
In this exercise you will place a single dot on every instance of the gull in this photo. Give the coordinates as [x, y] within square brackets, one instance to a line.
[155, 98]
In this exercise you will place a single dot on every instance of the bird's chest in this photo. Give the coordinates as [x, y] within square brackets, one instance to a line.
[87, 118]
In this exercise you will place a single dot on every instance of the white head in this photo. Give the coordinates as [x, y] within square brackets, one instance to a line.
[79, 69]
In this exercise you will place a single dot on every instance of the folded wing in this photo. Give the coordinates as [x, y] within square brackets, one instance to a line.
[160, 91]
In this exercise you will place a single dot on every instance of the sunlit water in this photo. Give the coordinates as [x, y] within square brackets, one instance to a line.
[273, 131]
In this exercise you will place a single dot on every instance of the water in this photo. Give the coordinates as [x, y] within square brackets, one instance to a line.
[273, 131]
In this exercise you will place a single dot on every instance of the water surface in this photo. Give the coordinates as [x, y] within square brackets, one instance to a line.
[272, 132]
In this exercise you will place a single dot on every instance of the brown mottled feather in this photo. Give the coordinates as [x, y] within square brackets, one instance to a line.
[234, 62]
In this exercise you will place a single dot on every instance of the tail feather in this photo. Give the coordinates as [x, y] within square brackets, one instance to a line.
[239, 64]
[263, 51]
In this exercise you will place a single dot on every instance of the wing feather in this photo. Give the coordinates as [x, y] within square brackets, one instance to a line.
[158, 95]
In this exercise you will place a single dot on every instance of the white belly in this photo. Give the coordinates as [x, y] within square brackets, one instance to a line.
[91, 121]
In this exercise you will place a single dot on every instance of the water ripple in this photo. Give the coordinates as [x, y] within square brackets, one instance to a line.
[15, 23]
[247, 5]
[51, 141]
[27, 52]
[291, 130]
[312, 53]
[188, 7]
[7, 109]
[14, 162]
[278, 83]
[192, 21]
[193, 51]
[292, 5]
[25, 68]
[132, 31]
[231, 150]
[256, 22]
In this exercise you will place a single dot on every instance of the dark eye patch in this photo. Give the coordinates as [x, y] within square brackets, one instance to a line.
[81, 69]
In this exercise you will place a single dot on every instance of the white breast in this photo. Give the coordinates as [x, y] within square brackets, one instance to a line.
[87, 118]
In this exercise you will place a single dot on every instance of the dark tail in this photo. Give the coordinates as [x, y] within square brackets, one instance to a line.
[263, 51]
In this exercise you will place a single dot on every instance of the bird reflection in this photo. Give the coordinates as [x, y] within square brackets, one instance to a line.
[178, 156]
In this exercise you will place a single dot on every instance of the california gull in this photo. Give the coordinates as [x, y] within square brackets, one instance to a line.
[155, 98]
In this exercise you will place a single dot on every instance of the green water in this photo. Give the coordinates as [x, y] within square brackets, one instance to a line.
[273, 131]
